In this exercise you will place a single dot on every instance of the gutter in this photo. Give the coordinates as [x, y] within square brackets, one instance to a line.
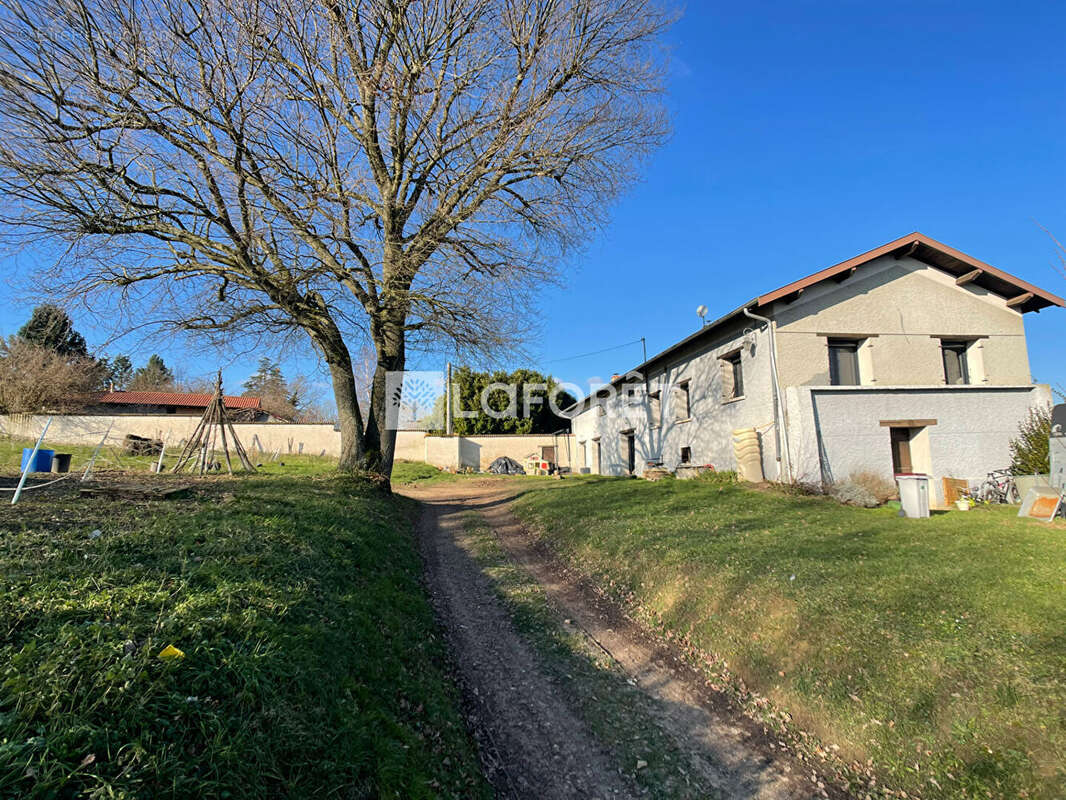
[779, 405]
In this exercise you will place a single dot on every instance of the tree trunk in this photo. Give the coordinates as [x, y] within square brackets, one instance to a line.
[380, 439]
[349, 415]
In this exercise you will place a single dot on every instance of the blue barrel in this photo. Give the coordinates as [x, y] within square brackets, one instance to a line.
[44, 459]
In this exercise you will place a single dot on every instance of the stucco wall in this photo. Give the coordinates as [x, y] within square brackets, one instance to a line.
[312, 440]
[442, 451]
[411, 445]
[88, 429]
[480, 451]
[708, 431]
[905, 306]
[836, 431]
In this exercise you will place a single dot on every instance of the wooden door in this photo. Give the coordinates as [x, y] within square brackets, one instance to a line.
[901, 450]
[631, 453]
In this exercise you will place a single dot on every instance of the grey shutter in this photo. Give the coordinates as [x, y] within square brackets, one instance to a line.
[955, 367]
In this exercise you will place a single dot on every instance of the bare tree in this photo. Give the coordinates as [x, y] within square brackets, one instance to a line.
[406, 171]
[35, 379]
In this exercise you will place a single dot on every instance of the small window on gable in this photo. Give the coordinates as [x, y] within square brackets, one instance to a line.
[956, 366]
[682, 407]
[686, 455]
[732, 376]
[844, 362]
[655, 408]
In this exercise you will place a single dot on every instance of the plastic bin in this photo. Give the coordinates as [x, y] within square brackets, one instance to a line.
[61, 463]
[43, 462]
[913, 495]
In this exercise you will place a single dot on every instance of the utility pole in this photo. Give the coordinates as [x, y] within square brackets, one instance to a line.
[448, 402]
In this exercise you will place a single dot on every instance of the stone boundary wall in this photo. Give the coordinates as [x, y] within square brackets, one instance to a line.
[318, 439]
[446, 452]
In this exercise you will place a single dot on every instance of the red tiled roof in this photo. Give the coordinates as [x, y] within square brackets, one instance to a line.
[174, 399]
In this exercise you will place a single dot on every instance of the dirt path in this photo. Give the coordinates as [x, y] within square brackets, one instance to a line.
[532, 742]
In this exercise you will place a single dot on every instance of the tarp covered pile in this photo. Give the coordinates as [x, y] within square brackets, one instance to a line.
[506, 466]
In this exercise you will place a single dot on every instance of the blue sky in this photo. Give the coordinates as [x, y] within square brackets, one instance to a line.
[806, 133]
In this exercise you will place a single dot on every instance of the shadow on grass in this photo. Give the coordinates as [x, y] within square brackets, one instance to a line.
[948, 628]
[312, 665]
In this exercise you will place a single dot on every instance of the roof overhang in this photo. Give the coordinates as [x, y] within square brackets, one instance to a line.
[1020, 295]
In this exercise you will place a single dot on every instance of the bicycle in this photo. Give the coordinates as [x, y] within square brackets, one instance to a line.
[999, 487]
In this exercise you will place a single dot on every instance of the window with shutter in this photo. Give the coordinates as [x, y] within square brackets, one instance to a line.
[682, 409]
[956, 370]
[732, 376]
[655, 408]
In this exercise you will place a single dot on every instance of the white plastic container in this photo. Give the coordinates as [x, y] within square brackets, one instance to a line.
[913, 495]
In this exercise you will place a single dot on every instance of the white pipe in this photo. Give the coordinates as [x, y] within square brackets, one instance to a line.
[31, 463]
[96, 452]
[162, 452]
[779, 406]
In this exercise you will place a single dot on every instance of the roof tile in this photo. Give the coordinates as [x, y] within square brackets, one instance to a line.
[174, 399]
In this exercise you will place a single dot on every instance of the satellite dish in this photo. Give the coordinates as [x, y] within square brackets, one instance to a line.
[701, 310]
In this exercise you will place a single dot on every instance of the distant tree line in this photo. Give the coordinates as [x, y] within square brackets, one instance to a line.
[47, 366]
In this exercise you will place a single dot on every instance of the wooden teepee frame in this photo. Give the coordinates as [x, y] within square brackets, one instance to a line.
[199, 452]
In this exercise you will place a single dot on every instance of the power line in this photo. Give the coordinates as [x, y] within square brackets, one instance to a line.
[594, 353]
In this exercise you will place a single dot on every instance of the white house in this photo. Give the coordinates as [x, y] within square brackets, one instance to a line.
[908, 358]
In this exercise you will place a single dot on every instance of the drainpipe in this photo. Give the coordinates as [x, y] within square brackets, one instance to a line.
[779, 406]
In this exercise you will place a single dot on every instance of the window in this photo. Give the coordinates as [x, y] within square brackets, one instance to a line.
[956, 368]
[681, 402]
[686, 455]
[844, 362]
[732, 376]
[655, 408]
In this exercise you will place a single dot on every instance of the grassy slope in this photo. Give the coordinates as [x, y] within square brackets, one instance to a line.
[407, 472]
[312, 663]
[111, 458]
[936, 647]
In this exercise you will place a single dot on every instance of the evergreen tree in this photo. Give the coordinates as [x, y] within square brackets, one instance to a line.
[268, 383]
[266, 380]
[153, 376]
[50, 327]
[118, 372]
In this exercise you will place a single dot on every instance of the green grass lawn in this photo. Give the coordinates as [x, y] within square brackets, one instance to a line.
[936, 648]
[312, 664]
[408, 472]
[111, 458]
